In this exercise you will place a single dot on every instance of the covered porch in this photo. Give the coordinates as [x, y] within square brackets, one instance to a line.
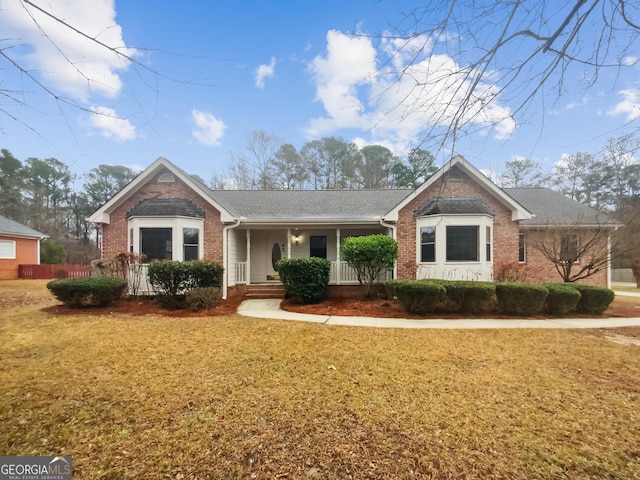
[255, 250]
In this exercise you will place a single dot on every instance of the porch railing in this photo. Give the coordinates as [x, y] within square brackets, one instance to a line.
[241, 272]
[138, 280]
[348, 275]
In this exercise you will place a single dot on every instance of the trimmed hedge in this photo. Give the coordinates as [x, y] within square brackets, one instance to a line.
[469, 296]
[305, 280]
[594, 300]
[516, 298]
[562, 298]
[419, 297]
[87, 291]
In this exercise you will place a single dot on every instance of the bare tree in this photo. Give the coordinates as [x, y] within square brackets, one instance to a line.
[505, 53]
[577, 252]
[254, 168]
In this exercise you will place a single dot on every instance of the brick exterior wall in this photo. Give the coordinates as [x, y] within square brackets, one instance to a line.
[537, 269]
[505, 231]
[26, 253]
[114, 234]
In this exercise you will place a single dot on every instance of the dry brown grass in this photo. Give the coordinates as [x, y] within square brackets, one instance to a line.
[134, 397]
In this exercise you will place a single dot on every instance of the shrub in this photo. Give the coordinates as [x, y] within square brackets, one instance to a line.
[419, 297]
[371, 256]
[517, 298]
[305, 280]
[562, 298]
[172, 279]
[202, 298]
[469, 296]
[205, 273]
[593, 300]
[391, 288]
[88, 291]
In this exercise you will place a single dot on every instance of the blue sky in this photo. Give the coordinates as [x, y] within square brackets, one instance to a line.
[209, 73]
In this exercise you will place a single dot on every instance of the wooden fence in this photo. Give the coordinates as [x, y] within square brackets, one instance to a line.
[48, 271]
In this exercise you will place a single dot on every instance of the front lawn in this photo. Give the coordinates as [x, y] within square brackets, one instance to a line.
[153, 396]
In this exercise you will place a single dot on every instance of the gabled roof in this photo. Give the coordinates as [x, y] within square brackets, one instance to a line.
[552, 208]
[518, 211]
[309, 205]
[102, 214]
[15, 229]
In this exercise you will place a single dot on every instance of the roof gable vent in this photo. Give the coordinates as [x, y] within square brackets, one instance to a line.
[166, 178]
[455, 175]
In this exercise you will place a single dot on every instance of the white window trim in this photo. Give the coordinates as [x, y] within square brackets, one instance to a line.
[12, 250]
[176, 224]
[441, 268]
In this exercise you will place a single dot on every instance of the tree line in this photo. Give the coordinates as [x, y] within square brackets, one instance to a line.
[43, 193]
[267, 162]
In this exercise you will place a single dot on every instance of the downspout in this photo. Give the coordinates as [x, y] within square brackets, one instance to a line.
[225, 257]
[393, 235]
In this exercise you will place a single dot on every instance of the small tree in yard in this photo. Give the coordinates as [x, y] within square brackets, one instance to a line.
[370, 256]
[575, 252]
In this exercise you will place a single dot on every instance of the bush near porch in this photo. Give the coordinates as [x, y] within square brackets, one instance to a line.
[174, 280]
[305, 280]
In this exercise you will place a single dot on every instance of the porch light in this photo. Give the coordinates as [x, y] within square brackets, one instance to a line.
[296, 239]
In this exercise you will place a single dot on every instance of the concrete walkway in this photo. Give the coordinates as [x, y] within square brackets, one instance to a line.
[270, 308]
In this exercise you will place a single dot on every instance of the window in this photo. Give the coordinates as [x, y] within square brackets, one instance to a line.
[131, 240]
[569, 247]
[522, 248]
[462, 243]
[156, 243]
[190, 242]
[318, 246]
[7, 249]
[488, 244]
[428, 241]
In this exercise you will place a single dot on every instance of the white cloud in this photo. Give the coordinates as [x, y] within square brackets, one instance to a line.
[265, 71]
[413, 91]
[583, 101]
[629, 106]
[64, 59]
[110, 125]
[209, 130]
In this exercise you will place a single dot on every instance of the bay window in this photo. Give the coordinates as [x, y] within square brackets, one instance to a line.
[166, 238]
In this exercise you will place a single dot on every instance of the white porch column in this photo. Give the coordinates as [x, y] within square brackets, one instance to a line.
[248, 269]
[338, 268]
[288, 243]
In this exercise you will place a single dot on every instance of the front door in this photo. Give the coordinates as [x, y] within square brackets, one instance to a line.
[275, 251]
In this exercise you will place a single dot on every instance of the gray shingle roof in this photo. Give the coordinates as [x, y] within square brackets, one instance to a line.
[156, 207]
[310, 205]
[553, 208]
[451, 205]
[10, 227]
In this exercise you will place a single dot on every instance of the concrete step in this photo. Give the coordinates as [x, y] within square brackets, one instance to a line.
[265, 291]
